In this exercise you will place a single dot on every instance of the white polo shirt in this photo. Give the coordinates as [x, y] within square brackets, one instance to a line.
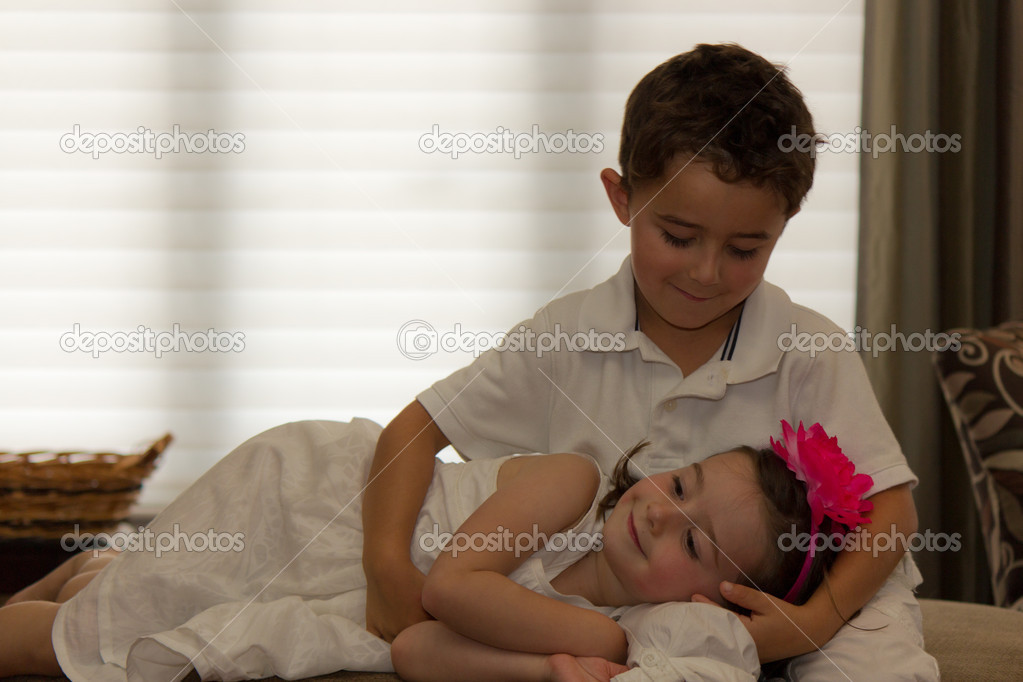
[624, 390]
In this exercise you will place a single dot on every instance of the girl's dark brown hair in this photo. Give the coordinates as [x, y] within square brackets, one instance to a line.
[787, 512]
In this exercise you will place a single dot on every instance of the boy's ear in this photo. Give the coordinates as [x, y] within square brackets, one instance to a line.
[616, 194]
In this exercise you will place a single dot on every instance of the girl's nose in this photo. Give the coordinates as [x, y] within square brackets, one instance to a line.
[663, 515]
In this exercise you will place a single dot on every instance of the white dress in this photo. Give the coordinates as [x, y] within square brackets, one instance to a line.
[273, 584]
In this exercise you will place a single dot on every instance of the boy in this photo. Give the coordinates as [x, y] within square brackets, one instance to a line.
[706, 191]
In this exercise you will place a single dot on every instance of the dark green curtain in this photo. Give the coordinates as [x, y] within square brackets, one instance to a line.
[941, 231]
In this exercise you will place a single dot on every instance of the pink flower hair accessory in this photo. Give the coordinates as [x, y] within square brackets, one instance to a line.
[833, 488]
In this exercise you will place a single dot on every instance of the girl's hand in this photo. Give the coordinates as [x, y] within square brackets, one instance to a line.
[567, 668]
[779, 629]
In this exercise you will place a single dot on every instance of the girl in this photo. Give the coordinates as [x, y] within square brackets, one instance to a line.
[257, 567]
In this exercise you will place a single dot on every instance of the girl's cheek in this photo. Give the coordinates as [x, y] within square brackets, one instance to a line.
[668, 583]
[647, 592]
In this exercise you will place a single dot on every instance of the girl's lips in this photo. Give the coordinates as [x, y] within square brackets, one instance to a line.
[632, 534]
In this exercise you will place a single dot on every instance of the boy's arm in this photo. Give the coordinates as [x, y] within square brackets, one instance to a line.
[470, 590]
[781, 630]
[832, 388]
[398, 480]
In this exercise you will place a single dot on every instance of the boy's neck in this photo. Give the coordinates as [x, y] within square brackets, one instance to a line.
[690, 349]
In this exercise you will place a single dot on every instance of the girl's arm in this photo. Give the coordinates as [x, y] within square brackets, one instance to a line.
[781, 630]
[431, 651]
[471, 592]
[398, 480]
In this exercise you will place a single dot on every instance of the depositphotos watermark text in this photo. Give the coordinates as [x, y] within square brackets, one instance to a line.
[142, 339]
[145, 141]
[145, 540]
[865, 540]
[505, 141]
[861, 339]
[862, 142]
[418, 340]
[505, 540]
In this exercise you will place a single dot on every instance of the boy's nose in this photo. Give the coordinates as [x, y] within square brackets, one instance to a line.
[704, 269]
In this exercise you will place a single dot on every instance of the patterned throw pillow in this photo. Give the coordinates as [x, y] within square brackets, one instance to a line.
[983, 385]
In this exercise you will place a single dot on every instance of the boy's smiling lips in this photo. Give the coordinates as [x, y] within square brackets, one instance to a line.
[632, 534]
[689, 296]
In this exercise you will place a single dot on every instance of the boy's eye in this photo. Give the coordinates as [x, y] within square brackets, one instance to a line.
[679, 492]
[743, 254]
[677, 242]
[690, 542]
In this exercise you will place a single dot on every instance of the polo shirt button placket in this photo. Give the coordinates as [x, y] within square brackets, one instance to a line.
[670, 405]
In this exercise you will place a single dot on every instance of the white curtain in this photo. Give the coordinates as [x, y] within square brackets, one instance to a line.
[294, 214]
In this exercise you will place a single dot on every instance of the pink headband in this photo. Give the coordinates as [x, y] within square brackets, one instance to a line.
[833, 488]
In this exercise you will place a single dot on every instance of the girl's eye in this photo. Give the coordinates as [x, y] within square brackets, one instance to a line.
[691, 544]
[744, 254]
[677, 242]
[679, 492]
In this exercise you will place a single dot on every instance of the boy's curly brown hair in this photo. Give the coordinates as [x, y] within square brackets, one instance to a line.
[727, 106]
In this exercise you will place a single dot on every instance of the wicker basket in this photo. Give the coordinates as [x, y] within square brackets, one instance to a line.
[46, 494]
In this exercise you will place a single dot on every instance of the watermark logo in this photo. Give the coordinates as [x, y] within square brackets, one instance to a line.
[862, 539]
[862, 142]
[418, 340]
[144, 340]
[145, 540]
[505, 141]
[861, 339]
[145, 141]
[504, 540]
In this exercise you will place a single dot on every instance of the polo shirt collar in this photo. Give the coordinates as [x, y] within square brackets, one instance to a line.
[611, 305]
[750, 351]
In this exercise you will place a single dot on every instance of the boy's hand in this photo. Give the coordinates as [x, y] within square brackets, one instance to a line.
[567, 668]
[394, 601]
[779, 629]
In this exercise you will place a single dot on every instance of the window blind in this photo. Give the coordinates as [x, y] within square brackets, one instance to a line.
[261, 199]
